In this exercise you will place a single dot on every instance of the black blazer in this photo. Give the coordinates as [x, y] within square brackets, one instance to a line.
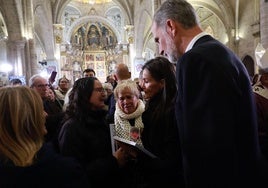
[216, 117]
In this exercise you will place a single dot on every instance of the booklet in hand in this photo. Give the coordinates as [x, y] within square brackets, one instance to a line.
[135, 145]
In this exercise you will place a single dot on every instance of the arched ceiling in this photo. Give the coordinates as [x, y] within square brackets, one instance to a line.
[3, 29]
[225, 7]
[125, 5]
[225, 13]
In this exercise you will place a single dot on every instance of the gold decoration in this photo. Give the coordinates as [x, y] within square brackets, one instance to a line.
[130, 40]
[58, 39]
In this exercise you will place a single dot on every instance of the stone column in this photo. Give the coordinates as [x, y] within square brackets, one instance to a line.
[264, 23]
[130, 33]
[16, 56]
[130, 39]
[58, 36]
[32, 65]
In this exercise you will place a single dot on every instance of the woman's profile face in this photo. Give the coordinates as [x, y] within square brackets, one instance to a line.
[127, 101]
[149, 85]
[98, 96]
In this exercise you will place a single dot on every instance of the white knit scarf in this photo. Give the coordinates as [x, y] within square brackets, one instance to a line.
[122, 125]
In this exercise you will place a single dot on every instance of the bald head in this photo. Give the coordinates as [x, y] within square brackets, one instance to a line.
[122, 72]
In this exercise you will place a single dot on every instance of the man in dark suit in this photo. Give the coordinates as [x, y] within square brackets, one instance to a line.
[215, 108]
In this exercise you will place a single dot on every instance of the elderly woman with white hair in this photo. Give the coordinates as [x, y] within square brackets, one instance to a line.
[128, 111]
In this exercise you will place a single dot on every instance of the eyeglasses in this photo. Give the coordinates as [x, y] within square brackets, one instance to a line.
[42, 85]
[99, 89]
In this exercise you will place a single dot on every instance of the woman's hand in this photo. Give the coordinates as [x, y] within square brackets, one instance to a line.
[124, 154]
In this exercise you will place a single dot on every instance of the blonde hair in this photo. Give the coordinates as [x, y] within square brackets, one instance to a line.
[126, 84]
[22, 125]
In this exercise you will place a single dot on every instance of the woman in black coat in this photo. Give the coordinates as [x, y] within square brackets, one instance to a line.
[160, 134]
[85, 135]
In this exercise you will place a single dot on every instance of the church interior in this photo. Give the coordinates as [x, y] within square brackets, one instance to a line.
[68, 36]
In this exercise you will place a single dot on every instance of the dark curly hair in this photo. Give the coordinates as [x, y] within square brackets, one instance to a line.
[79, 98]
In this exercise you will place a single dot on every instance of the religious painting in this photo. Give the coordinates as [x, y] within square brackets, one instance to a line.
[93, 36]
[96, 61]
[63, 64]
[111, 67]
[90, 65]
[100, 65]
[100, 57]
[77, 66]
[101, 73]
[89, 57]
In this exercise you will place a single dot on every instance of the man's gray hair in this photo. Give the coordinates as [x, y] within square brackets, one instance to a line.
[178, 10]
[33, 79]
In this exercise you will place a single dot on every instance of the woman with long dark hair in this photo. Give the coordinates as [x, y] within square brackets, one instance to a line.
[85, 134]
[160, 134]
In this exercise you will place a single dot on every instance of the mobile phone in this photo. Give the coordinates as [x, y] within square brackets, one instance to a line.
[52, 77]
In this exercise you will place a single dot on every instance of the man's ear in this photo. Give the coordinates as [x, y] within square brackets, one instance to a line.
[171, 27]
[115, 78]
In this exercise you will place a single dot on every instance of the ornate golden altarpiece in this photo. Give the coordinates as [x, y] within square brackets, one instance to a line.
[92, 45]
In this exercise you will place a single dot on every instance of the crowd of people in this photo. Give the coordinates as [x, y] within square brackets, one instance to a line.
[204, 120]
